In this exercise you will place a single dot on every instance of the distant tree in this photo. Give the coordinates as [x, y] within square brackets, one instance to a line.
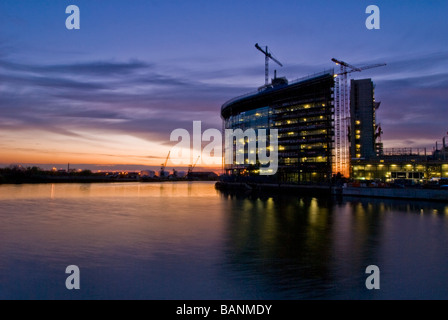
[85, 173]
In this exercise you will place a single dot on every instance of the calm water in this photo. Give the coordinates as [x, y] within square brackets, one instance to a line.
[189, 241]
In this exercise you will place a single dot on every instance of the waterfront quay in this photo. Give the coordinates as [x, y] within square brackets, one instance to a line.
[392, 192]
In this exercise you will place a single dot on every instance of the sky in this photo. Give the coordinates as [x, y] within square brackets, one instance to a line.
[109, 94]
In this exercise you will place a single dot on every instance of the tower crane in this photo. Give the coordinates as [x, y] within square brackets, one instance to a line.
[268, 56]
[163, 166]
[345, 65]
[342, 113]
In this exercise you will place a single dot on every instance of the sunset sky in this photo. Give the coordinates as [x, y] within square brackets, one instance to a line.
[112, 92]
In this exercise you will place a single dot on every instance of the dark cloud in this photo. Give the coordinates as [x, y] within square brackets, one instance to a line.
[97, 68]
[50, 82]
[136, 98]
[413, 109]
[65, 99]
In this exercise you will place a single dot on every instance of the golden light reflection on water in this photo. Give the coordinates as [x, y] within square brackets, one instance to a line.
[101, 190]
[108, 219]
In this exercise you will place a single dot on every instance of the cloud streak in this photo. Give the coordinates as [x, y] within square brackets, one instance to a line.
[136, 98]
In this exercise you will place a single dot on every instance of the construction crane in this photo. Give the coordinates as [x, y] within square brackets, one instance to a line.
[342, 113]
[190, 169]
[163, 166]
[268, 56]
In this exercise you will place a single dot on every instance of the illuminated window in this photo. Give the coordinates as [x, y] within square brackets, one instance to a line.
[358, 136]
[358, 155]
[358, 131]
[358, 122]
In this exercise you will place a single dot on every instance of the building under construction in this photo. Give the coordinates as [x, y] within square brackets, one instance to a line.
[302, 112]
[370, 161]
[326, 128]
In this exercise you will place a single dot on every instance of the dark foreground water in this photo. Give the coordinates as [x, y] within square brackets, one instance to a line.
[189, 241]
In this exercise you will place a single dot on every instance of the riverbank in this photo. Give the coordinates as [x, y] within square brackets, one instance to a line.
[395, 193]
[340, 191]
[85, 179]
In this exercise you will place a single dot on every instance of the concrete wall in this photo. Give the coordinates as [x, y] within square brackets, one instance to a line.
[421, 194]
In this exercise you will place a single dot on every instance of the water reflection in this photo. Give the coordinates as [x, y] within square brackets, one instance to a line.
[281, 243]
[190, 241]
[310, 247]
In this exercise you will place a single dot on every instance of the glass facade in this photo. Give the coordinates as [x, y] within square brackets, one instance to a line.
[302, 113]
[253, 119]
[305, 140]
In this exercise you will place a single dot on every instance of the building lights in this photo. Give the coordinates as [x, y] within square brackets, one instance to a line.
[310, 140]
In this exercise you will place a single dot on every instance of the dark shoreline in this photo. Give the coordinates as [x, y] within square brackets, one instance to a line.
[47, 180]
